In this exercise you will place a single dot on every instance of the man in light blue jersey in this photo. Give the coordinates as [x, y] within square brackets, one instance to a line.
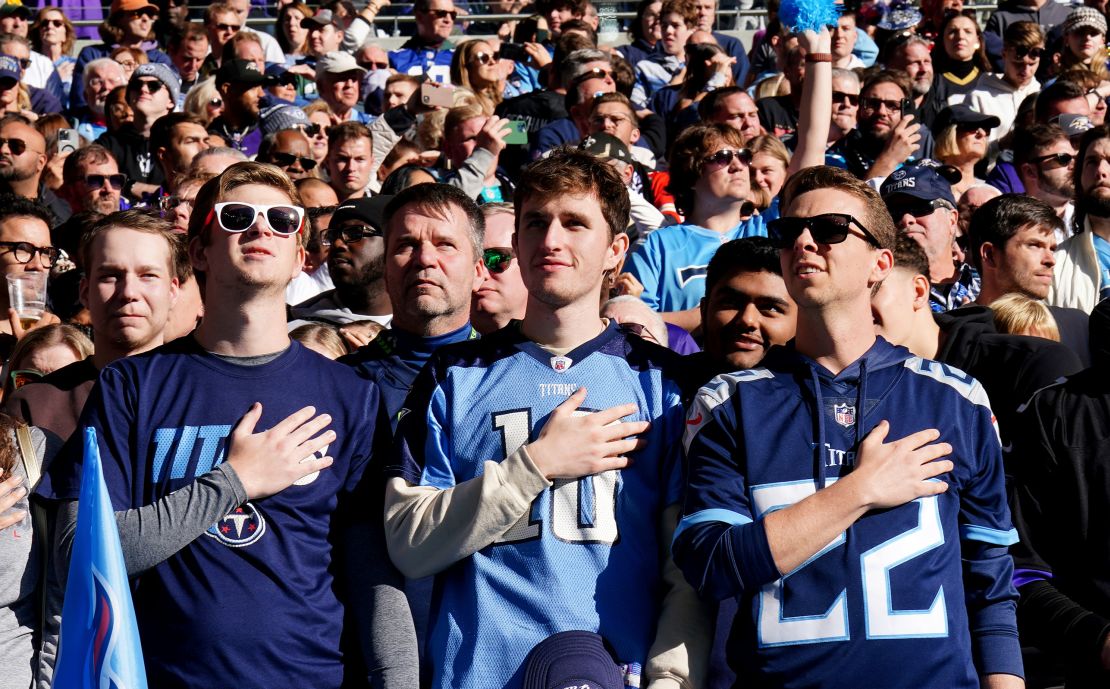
[536, 474]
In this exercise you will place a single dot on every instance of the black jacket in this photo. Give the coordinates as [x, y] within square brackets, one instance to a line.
[1060, 499]
[133, 155]
[1010, 367]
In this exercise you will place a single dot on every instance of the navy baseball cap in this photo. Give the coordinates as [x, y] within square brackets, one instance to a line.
[572, 659]
[962, 114]
[9, 68]
[919, 182]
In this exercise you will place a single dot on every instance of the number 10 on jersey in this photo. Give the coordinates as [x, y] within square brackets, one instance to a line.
[582, 510]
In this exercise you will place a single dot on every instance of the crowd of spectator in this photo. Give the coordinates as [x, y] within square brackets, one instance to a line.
[836, 298]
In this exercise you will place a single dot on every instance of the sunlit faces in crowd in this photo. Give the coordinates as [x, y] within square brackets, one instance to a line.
[501, 296]
[432, 265]
[436, 20]
[130, 285]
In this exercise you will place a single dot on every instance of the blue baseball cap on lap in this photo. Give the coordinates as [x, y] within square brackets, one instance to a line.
[572, 659]
[917, 181]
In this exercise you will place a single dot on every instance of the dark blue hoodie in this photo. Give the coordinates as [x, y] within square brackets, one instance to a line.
[917, 595]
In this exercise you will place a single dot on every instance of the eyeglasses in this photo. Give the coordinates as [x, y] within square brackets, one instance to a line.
[145, 12]
[16, 146]
[1094, 96]
[487, 58]
[56, 23]
[1021, 52]
[167, 204]
[312, 130]
[916, 208]
[97, 181]
[376, 65]
[229, 27]
[24, 62]
[350, 234]
[830, 228]
[24, 376]
[595, 73]
[724, 157]
[1058, 160]
[25, 252]
[443, 14]
[216, 103]
[639, 330]
[871, 103]
[599, 120]
[236, 216]
[152, 86]
[497, 259]
[287, 159]
[849, 98]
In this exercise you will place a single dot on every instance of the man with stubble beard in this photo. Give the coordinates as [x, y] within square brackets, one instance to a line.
[356, 263]
[884, 138]
[914, 57]
[1082, 274]
[240, 83]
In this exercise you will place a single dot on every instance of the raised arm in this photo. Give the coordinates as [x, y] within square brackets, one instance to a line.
[815, 115]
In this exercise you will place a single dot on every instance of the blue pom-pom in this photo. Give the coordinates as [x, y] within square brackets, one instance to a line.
[799, 15]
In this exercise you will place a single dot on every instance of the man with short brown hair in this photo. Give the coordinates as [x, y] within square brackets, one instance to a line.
[350, 159]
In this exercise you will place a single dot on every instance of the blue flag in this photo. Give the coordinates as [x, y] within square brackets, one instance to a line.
[99, 645]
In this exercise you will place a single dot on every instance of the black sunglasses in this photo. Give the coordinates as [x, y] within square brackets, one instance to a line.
[96, 181]
[351, 233]
[1022, 52]
[916, 208]
[440, 14]
[724, 157]
[311, 129]
[871, 103]
[16, 146]
[595, 73]
[229, 27]
[1059, 159]
[153, 86]
[497, 259]
[829, 228]
[849, 98]
[287, 159]
[639, 330]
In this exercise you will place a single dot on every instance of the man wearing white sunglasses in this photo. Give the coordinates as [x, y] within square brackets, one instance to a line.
[256, 491]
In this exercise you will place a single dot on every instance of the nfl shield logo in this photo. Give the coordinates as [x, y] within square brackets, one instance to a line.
[844, 414]
[560, 363]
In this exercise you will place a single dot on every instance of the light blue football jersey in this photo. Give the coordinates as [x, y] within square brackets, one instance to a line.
[672, 261]
[588, 554]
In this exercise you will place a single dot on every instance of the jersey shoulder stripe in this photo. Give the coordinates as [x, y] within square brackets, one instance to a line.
[965, 384]
[714, 394]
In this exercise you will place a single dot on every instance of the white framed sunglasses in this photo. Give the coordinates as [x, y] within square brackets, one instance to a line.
[237, 216]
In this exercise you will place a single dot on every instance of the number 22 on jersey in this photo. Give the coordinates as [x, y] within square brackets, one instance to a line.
[582, 510]
[778, 628]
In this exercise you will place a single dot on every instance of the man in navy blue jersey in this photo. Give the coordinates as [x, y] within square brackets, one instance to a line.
[536, 475]
[244, 470]
[849, 556]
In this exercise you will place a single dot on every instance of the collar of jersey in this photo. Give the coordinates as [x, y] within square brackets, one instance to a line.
[575, 355]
